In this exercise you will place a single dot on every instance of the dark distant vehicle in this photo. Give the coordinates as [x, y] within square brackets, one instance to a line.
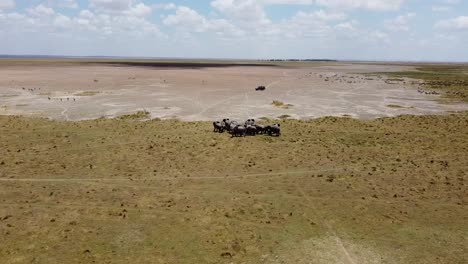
[260, 88]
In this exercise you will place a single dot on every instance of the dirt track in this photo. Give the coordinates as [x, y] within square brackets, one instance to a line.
[80, 92]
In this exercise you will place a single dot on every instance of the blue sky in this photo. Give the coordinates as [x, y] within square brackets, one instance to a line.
[404, 30]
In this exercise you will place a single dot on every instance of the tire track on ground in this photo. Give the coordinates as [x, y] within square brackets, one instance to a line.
[239, 176]
[240, 96]
[330, 229]
[64, 113]
[344, 169]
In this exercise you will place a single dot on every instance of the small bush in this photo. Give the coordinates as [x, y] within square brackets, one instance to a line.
[281, 104]
[87, 93]
[138, 115]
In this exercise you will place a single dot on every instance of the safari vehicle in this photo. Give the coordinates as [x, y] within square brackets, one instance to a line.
[260, 88]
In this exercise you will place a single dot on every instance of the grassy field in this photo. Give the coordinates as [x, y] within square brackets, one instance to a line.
[451, 80]
[331, 190]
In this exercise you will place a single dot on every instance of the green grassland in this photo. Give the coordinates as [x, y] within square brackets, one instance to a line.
[331, 190]
[451, 80]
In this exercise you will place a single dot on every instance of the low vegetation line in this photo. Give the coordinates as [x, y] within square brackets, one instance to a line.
[450, 80]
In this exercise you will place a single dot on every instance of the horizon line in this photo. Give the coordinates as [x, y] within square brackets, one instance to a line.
[38, 56]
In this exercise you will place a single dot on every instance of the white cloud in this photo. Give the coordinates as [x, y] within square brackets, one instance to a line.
[111, 5]
[315, 24]
[244, 27]
[287, 2]
[121, 7]
[139, 10]
[450, 2]
[247, 19]
[62, 21]
[86, 14]
[378, 5]
[378, 35]
[347, 26]
[62, 3]
[43, 20]
[326, 16]
[246, 12]
[189, 20]
[113, 24]
[68, 4]
[10, 19]
[444, 5]
[399, 23]
[167, 6]
[187, 17]
[441, 8]
[458, 23]
[7, 4]
[41, 10]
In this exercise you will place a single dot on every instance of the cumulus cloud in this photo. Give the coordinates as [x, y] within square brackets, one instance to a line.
[62, 21]
[444, 5]
[111, 5]
[287, 2]
[441, 8]
[44, 19]
[63, 3]
[378, 35]
[189, 20]
[378, 5]
[450, 2]
[139, 10]
[167, 6]
[399, 23]
[187, 17]
[68, 4]
[247, 18]
[347, 26]
[108, 24]
[458, 23]
[308, 26]
[7, 4]
[243, 11]
[41, 10]
[121, 7]
[311, 24]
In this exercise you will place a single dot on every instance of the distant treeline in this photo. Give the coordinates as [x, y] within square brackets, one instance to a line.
[298, 60]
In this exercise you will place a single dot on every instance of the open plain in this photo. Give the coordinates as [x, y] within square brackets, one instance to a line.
[76, 91]
[379, 188]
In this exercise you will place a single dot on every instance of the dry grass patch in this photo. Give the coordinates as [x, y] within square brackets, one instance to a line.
[87, 93]
[398, 106]
[391, 190]
[395, 106]
[137, 116]
[451, 80]
[281, 104]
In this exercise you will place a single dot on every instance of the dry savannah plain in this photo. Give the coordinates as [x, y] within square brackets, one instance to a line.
[116, 161]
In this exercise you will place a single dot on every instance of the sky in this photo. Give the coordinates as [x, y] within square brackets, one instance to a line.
[388, 30]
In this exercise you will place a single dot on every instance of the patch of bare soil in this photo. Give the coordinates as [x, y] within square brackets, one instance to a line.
[74, 91]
